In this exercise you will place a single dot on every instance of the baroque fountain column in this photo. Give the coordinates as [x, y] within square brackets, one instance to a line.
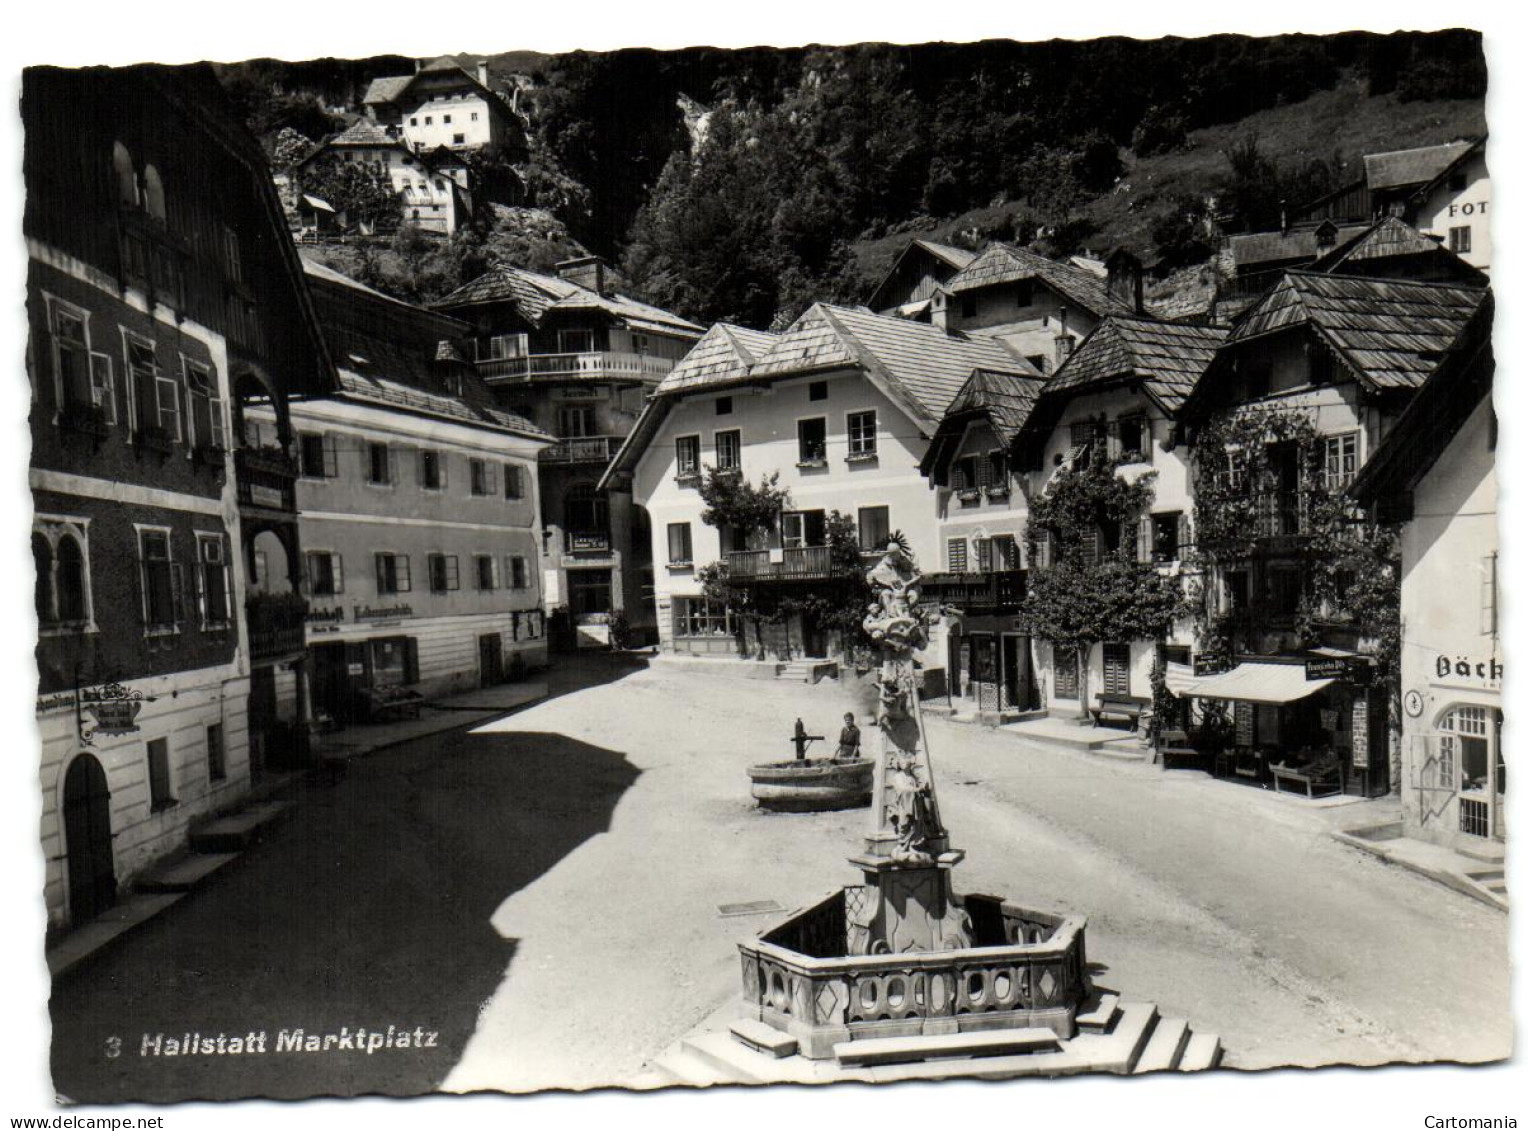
[905, 904]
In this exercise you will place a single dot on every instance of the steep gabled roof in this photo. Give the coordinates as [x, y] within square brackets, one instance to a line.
[1253, 249]
[918, 365]
[1004, 263]
[1388, 240]
[953, 258]
[1401, 168]
[1003, 400]
[1167, 358]
[387, 89]
[1390, 333]
[1432, 419]
[363, 132]
[724, 355]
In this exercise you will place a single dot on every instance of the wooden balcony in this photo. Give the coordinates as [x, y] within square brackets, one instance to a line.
[599, 365]
[799, 563]
[1280, 520]
[583, 449]
[997, 591]
[266, 479]
[276, 625]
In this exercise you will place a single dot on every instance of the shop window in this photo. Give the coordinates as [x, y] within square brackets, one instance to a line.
[874, 527]
[1116, 669]
[393, 573]
[326, 573]
[862, 437]
[394, 661]
[212, 587]
[1066, 678]
[217, 755]
[696, 616]
[812, 440]
[729, 450]
[680, 551]
[160, 796]
[444, 573]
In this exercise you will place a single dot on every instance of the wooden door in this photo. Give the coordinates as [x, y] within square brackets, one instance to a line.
[87, 840]
[491, 659]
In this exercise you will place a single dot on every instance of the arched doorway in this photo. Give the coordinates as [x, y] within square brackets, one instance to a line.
[87, 840]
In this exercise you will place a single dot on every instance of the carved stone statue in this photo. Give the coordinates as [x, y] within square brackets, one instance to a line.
[894, 619]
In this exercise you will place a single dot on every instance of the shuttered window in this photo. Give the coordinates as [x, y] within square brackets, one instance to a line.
[1117, 669]
[1066, 673]
[955, 555]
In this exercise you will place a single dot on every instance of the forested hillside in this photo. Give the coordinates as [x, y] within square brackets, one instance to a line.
[743, 184]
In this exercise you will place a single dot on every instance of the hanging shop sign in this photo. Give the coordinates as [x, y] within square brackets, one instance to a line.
[1328, 667]
[1210, 663]
[112, 709]
[272, 497]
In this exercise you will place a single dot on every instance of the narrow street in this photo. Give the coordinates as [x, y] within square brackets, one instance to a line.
[543, 894]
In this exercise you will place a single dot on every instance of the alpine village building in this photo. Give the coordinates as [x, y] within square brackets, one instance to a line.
[418, 510]
[165, 301]
[578, 360]
[433, 187]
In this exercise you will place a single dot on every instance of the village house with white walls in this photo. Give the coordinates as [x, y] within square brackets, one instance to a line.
[842, 405]
[434, 187]
[442, 104]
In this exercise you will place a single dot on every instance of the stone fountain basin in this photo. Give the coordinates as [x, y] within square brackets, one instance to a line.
[1027, 969]
[813, 785]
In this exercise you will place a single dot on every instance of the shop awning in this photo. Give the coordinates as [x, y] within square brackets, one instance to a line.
[1255, 683]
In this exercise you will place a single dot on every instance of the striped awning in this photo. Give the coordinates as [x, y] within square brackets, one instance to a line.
[1270, 684]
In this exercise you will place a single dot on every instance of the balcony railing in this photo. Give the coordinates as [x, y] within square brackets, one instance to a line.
[275, 624]
[1280, 518]
[584, 449]
[598, 365]
[266, 478]
[799, 563]
[996, 591]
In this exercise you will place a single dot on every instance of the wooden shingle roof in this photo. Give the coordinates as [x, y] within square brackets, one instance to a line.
[386, 89]
[1004, 263]
[724, 355]
[1391, 333]
[1403, 167]
[1168, 358]
[1004, 399]
[917, 363]
[535, 294]
[1251, 250]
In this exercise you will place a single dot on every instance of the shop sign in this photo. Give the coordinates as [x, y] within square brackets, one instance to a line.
[113, 708]
[389, 612]
[1210, 663]
[267, 497]
[1328, 667]
[355, 668]
[335, 614]
[588, 543]
[1468, 668]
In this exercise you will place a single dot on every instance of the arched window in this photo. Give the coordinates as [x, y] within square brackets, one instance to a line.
[127, 179]
[42, 560]
[71, 580]
[153, 192]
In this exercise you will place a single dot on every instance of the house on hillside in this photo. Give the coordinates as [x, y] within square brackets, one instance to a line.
[442, 104]
[842, 405]
[1436, 475]
[419, 512]
[165, 306]
[981, 502]
[571, 355]
[1306, 387]
[910, 281]
[1390, 248]
[1036, 307]
[1119, 399]
[434, 189]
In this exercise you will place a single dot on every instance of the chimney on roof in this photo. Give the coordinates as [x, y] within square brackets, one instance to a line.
[585, 271]
[482, 71]
[939, 309]
[418, 65]
[1122, 272]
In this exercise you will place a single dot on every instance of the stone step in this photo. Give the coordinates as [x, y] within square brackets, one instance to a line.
[185, 873]
[1102, 1014]
[1486, 851]
[1128, 750]
[1165, 1046]
[237, 830]
[723, 1056]
[1202, 1052]
[678, 1067]
[899, 1050]
[88, 938]
[763, 1038]
[1129, 1035]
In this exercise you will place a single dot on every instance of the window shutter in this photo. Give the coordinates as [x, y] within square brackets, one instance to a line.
[983, 554]
[179, 609]
[410, 659]
[453, 573]
[331, 452]
[380, 561]
[491, 476]
[1143, 539]
[405, 584]
[104, 385]
[1090, 546]
[337, 567]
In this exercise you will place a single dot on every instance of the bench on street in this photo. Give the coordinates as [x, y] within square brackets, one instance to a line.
[1127, 706]
[384, 704]
[1309, 777]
